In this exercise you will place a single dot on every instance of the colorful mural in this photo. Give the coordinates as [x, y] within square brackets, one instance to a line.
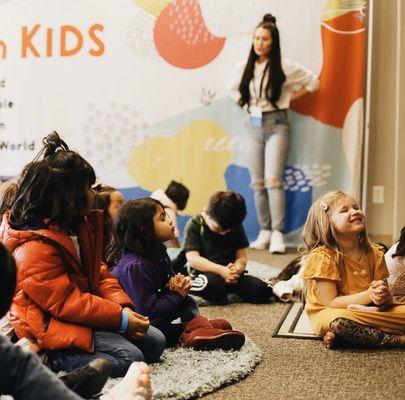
[144, 98]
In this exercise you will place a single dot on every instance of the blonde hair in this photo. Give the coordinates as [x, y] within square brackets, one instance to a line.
[8, 191]
[319, 230]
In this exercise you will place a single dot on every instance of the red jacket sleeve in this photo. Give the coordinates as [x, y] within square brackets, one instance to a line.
[44, 278]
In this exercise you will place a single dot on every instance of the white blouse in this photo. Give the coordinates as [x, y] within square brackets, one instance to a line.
[297, 77]
[396, 269]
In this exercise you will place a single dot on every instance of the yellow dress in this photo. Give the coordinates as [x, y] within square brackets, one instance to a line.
[357, 277]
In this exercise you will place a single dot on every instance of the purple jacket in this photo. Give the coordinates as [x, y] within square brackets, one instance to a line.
[145, 283]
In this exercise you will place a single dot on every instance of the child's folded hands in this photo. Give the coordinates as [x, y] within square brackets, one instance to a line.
[237, 268]
[137, 324]
[380, 293]
[229, 274]
[180, 284]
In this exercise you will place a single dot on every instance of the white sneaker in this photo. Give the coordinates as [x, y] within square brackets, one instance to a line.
[277, 243]
[262, 241]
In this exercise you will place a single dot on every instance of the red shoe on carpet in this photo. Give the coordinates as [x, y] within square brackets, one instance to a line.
[221, 324]
[200, 334]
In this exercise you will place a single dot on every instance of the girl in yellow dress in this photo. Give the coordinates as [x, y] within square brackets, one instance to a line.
[347, 295]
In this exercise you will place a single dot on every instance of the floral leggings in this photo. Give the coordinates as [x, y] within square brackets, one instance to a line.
[352, 332]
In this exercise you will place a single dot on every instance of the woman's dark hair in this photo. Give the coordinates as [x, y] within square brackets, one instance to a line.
[7, 280]
[54, 187]
[134, 230]
[178, 194]
[400, 252]
[276, 74]
[102, 201]
[8, 192]
[228, 209]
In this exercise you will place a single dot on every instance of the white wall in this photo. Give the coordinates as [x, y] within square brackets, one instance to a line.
[386, 167]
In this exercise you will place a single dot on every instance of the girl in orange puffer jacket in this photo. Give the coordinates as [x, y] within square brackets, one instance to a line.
[66, 300]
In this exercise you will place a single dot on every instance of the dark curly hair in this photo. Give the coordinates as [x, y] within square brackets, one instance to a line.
[134, 230]
[54, 187]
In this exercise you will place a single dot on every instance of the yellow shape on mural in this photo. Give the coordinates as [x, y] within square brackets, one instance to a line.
[336, 8]
[195, 156]
[154, 7]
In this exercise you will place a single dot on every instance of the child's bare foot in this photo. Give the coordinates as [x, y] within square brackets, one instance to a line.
[134, 386]
[330, 340]
[360, 307]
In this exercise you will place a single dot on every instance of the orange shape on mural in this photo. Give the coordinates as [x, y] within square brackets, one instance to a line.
[182, 38]
[342, 75]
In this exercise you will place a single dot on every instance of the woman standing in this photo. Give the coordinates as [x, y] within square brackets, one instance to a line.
[265, 86]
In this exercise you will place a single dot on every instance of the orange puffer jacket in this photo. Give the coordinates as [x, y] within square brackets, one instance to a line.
[61, 297]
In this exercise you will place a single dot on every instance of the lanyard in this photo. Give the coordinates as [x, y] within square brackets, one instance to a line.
[258, 97]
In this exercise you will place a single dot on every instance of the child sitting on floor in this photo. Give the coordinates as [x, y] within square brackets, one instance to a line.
[173, 199]
[110, 201]
[67, 301]
[395, 259]
[144, 271]
[23, 376]
[8, 190]
[347, 296]
[215, 246]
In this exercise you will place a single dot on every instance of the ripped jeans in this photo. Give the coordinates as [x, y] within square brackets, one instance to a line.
[266, 155]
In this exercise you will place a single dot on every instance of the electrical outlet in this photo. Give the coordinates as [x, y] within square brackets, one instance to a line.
[378, 194]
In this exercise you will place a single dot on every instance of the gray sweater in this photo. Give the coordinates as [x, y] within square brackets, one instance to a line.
[23, 376]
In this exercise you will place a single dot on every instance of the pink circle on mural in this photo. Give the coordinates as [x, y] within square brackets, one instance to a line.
[182, 38]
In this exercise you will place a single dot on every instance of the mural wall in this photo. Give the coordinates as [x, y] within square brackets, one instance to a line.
[138, 87]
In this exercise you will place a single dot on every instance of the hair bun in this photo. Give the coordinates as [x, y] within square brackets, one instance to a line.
[269, 18]
[52, 142]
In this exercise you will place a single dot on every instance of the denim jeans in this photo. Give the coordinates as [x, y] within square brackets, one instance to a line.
[266, 156]
[113, 347]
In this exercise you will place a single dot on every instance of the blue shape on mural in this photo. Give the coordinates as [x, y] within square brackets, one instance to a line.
[135, 193]
[298, 191]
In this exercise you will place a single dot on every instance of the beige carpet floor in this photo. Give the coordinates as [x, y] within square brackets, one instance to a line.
[304, 369]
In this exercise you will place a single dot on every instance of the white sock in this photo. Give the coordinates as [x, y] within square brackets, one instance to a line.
[135, 385]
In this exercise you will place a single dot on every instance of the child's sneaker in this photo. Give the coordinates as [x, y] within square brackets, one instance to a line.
[262, 241]
[277, 243]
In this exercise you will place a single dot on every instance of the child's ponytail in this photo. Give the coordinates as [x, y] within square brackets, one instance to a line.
[51, 143]
[55, 185]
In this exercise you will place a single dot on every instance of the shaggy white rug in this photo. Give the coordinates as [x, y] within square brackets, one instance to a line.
[186, 374]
